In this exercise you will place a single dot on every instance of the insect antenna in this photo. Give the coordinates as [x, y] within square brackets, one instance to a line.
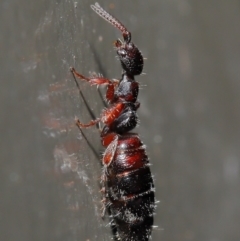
[109, 18]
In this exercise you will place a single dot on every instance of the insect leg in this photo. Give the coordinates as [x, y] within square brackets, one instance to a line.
[91, 114]
[101, 70]
[98, 80]
[88, 142]
[82, 96]
[91, 123]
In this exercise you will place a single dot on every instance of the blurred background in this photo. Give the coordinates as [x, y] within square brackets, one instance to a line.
[190, 115]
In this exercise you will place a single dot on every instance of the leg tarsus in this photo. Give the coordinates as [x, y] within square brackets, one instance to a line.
[91, 123]
[78, 75]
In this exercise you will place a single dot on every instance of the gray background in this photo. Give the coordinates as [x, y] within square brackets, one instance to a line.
[190, 115]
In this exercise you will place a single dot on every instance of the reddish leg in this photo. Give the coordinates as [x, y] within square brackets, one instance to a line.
[107, 116]
[91, 123]
[98, 80]
[95, 80]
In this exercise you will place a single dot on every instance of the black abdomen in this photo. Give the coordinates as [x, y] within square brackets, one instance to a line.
[130, 190]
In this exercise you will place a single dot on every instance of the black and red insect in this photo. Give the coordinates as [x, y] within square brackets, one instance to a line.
[128, 187]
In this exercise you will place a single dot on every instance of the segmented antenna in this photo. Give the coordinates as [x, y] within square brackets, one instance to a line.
[109, 18]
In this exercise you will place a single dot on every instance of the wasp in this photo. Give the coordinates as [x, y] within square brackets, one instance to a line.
[127, 183]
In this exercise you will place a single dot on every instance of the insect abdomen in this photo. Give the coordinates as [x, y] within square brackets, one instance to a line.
[130, 190]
